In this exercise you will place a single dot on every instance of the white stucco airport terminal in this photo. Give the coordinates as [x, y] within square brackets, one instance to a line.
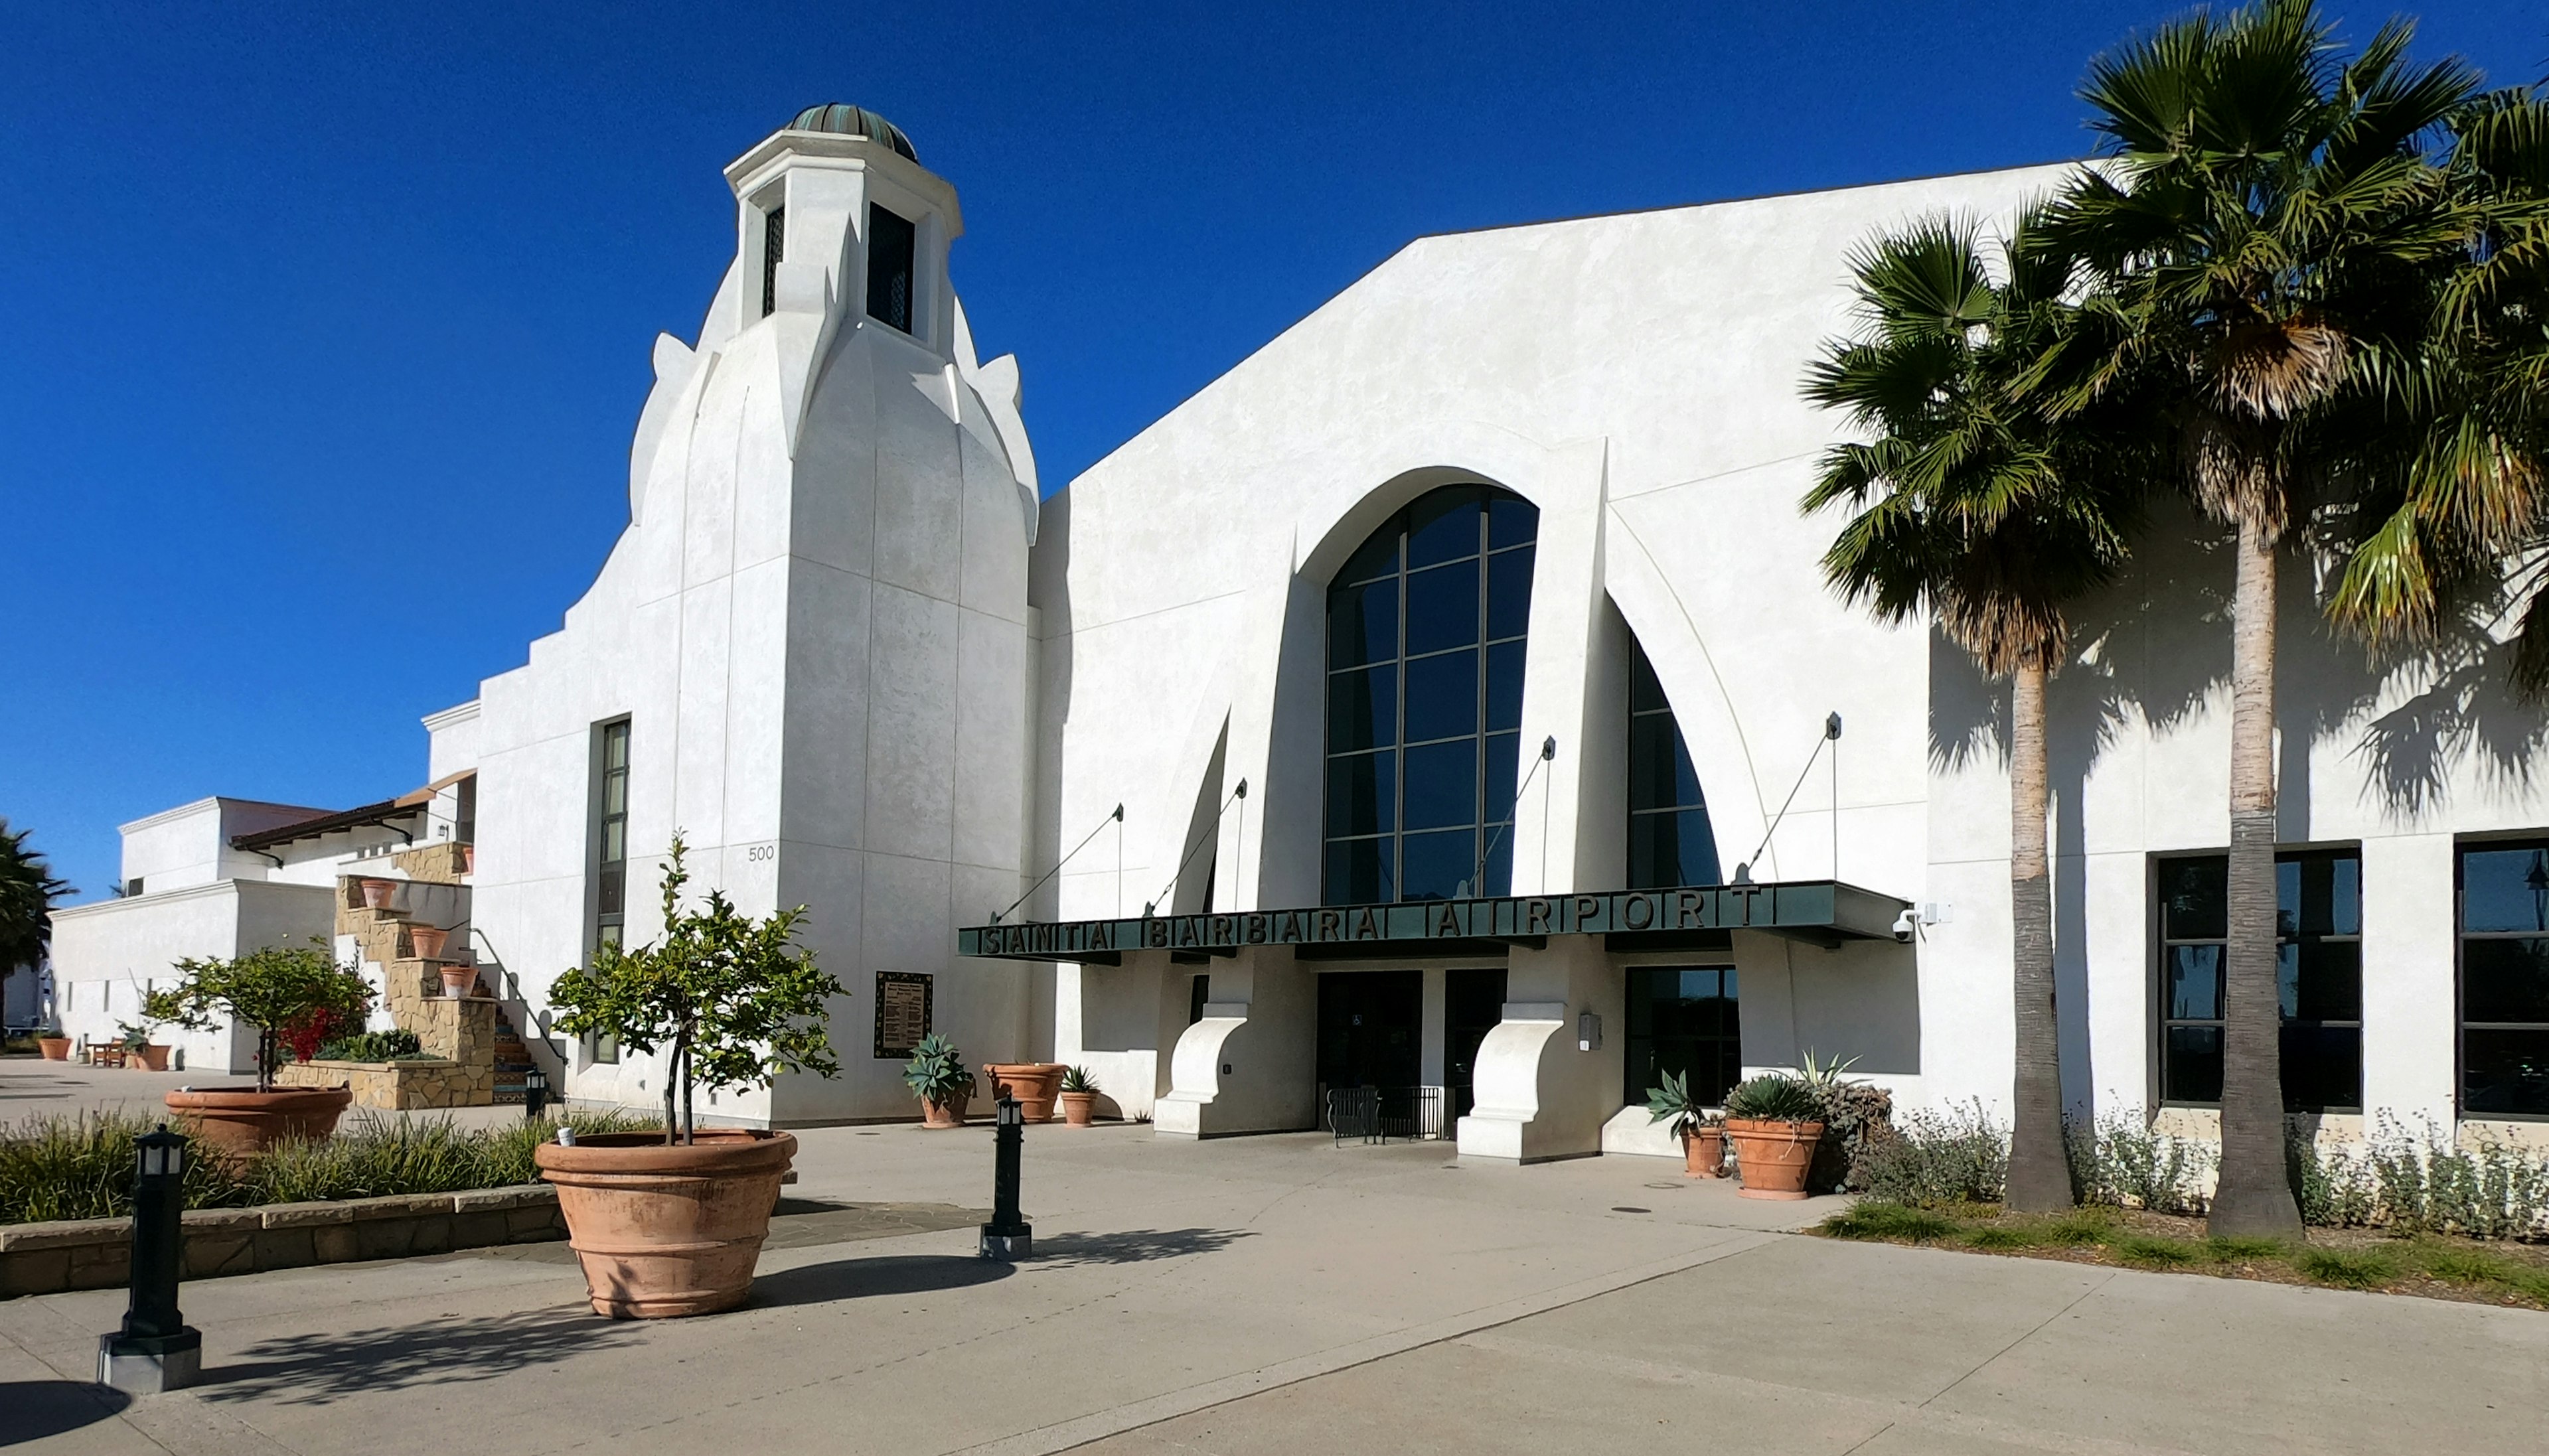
[1488, 582]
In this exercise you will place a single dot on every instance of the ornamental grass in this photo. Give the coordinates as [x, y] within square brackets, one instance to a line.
[80, 1166]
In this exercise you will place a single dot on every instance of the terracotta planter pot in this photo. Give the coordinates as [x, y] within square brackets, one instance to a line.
[468, 859]
[238, 1121]
[155, 1057]
[426, 941]
[377, 893]
[1773, 1157]
[947, 1114]
[1080, 1109]
[56, 1049]
[459, 981]
[1703, 1153]
[1033, 1083]
[664, 1232]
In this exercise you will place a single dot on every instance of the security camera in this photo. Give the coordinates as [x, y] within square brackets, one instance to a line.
[1906, 925]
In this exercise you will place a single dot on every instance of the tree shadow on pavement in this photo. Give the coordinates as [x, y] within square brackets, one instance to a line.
[859, 1279]
[320, 1369]
[1135, 1246]
[31, 1409]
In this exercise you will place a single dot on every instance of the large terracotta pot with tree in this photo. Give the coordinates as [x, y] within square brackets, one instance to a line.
[936, 1075]
[286, 993]
[1702, 1133]
[54, 1044]
[670, 1224]
[1774, 1122]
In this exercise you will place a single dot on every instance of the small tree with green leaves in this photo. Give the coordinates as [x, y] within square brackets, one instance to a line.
[273, 990]
[730, 1000]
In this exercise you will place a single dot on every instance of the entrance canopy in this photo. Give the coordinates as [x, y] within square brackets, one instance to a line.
[1821, 912]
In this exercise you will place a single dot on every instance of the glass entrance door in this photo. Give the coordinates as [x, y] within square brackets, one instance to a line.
[1473, 1001]
[1370, 1024]
[1682, 1020]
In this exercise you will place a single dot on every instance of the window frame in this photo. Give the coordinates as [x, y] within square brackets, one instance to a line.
[1641, 666]
[913, 324]
[600, 816]
[1488, 836]
[2161, 943]
[2461, 937]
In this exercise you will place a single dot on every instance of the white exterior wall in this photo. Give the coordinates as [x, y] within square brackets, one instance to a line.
[1636, 377]
[108, 955]
[816, 626]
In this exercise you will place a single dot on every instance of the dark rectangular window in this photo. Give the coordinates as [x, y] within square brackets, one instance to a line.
[2319, 977]
[609, 850]
[464, 813]
[1682, 1020]
[2504, 891]
[1198, 992]
[774, 251]
[889, 247]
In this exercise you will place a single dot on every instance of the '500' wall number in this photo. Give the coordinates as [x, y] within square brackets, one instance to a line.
[757, 853]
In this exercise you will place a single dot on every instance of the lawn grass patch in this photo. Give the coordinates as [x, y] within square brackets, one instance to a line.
[2347, 1268]
[1999, 1237]
[1880, 1220]
[2245, 1248]
[2077, 1229]
[2151, 1251]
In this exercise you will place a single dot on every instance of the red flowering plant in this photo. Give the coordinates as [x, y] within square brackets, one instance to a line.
[286, 992]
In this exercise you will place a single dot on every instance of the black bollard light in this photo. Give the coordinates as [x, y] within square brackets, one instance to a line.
[1008, 1235]
[535, 1093]
[156, 1350]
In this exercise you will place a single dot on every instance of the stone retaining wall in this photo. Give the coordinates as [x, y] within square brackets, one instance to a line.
[396, 1086]
[97, 1254]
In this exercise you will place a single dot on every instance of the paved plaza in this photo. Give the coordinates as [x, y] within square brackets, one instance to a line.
[1281, 1294]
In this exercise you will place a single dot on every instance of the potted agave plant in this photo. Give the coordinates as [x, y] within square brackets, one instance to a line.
[1702, 1133]
[936, 1075]
[1079, 1097]
[670, 1223]
[1774, 1121]
[272, 992]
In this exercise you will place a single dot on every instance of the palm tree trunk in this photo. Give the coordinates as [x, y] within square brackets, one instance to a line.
[2254, 1194]
[2040, 1176]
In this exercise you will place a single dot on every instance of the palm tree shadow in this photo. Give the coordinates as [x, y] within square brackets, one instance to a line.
[37, 1408]
[322, 1369]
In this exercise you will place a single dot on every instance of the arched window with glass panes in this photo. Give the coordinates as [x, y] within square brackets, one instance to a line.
[1670, 841]
[1427, 625]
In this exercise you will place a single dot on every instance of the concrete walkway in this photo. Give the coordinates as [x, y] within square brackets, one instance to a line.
[33, 1087]
[1278, 1294]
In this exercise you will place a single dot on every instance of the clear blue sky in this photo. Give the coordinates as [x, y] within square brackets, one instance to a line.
[328, 324]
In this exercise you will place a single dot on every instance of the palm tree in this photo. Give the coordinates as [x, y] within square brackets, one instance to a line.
[2265, 208]
[2453, 515]
[28, 890]
[1976, 508]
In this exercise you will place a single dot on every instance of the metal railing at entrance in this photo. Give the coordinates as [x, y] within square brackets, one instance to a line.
[1387, 1114]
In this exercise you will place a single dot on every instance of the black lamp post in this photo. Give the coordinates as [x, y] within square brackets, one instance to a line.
[535, 1093]
[1008, 1235]
[156, 1350]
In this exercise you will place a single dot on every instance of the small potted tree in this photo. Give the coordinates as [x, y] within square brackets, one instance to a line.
[936, 1075]
[1079, 1097]
[670, 1224]
[1774, 1121]
[1702, 1133]
[52, 1043]
[139, 1049]
[270, 990]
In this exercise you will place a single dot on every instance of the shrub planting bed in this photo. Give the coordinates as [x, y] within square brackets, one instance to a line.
[387, 1188]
